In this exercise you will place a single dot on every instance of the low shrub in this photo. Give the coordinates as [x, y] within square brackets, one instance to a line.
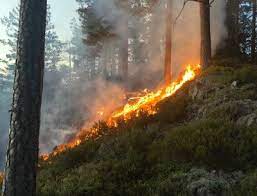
[246, 74]
[213, 143]
[247, 185]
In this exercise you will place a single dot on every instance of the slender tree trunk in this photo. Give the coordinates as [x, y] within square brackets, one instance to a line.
[22, 153]
[124, 48]
[232, 23]
[105, 60]
[168, 44]
[205, 33]
[253, 39]
[124, 54]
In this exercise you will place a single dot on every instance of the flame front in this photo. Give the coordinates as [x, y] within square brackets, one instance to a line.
[146, 103]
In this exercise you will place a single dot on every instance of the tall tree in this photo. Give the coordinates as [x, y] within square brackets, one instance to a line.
[124, 52]
[124, 45]
[22, 153]
[253, 38]
[232, 45]
[168, 43]
[53, 44]
[205, 53]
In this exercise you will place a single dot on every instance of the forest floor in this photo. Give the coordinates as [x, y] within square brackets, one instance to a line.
[202, 141]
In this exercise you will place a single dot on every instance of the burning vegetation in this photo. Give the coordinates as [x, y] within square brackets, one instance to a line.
[135, 106]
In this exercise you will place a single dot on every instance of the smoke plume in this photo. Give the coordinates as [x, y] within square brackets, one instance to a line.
[70, 105]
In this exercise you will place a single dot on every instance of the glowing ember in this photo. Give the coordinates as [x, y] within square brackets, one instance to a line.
[146, 103]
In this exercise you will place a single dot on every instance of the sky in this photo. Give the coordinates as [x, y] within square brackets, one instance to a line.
[62, 13]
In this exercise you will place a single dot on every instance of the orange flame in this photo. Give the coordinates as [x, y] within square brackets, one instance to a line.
[146, 103]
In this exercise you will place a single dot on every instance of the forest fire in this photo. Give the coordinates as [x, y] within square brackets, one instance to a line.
[146, 103]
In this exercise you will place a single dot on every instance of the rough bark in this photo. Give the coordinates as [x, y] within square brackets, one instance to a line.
[168, 44]
[22, 153]
[253, 39]
[205, 53]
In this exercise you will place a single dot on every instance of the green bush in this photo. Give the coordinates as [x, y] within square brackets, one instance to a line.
[216, 144]
[229, 111]
[218, 75]
[247, 186]
[246, 74]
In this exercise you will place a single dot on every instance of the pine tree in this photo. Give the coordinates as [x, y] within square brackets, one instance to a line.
[232, 42]
[168, 44]
[205, 54]
[22, 153]
[53, 44]
[253, 29]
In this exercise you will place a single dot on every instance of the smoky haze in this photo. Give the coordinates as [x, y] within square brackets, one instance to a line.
[72, 105]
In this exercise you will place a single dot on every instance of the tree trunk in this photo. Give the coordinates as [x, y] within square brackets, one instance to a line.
[124, 48]
[22, 153]
[124, 55]
[168, 44]
[253, 39]
[205, 33]
[105, 59]
[232, 23]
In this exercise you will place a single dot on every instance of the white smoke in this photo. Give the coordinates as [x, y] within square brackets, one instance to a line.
[89, 97]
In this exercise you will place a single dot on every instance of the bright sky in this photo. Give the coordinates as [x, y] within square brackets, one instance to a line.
[62, 13]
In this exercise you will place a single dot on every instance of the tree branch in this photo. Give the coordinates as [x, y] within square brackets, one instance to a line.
[184, 5]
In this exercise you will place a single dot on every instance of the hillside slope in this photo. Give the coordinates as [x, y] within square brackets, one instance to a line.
[202, 141]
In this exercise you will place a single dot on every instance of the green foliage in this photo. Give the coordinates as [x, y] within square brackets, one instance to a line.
[247, 185]
[147, 161]
[243, 74]
[247, 74]
[216, 144]
[228, 111]
[219, 74]
[53, 44]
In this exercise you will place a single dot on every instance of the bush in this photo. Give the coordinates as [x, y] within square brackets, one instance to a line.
[247, 185]
[247, 74]
[215, 144]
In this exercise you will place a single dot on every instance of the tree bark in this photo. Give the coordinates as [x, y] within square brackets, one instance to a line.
[253, 39]
[22, 153]
[205, 33]
[168, 44]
